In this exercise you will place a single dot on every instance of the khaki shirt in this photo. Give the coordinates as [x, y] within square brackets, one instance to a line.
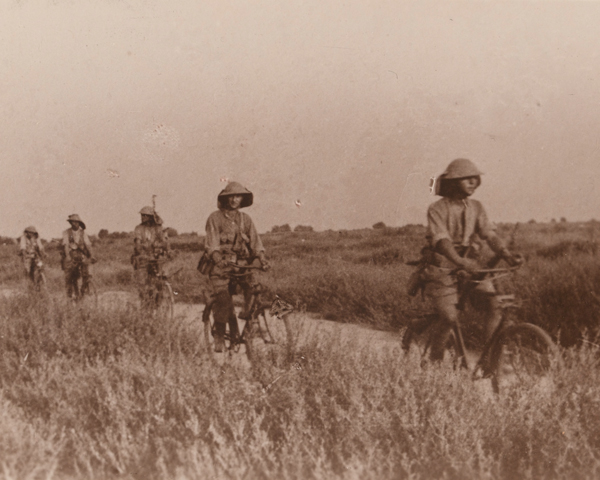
[223, 226]
[147, 238]
[73, 240]
[29, 247]
[458, 221]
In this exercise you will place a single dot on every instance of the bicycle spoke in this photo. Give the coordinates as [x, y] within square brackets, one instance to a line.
[523, 356]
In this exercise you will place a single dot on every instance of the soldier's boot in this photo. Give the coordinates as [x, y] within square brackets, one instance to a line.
[219, 337]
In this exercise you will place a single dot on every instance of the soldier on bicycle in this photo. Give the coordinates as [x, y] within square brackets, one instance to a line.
[453, 224]
[76, 256]
[31, 251]
[231, 238]
[150, 248]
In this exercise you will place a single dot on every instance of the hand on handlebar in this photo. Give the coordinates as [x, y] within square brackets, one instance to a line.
[514, 260]
[265, 266]
[223, 264]
[469, 265]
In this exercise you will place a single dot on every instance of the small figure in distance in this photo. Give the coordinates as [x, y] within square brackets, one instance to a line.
[76, 256]
[150, 249]
[453, 224]
[31, 251]
[231, 237]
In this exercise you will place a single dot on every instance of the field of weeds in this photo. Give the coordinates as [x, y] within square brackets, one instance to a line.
[109, 393]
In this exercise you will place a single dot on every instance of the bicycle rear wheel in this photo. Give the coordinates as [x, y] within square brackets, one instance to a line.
[522, 355]
[90, 294]
[39, 282]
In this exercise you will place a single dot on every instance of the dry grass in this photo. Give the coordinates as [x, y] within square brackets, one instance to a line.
[109, 393]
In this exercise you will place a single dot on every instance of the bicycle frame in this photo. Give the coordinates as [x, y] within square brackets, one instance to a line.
[76, 274]
[517, 353]
[483, 362]
[36, 274]
[470, 281]
[255, 309]
[157, 288]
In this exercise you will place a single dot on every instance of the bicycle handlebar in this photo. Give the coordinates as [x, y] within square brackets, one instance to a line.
[484, 271]
[247, 267]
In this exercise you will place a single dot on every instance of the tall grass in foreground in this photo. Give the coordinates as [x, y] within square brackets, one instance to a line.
[109, 393]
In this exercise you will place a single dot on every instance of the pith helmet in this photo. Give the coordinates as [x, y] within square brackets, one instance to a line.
[147, 211]
[31, 229]
[456, 169]
[150, 211]
[76, 218]
[461, 168]
[234, 188]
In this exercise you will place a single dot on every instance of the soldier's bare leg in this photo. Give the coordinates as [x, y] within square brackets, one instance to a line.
[488, 304]
[448, 315]
[71, 281]
[222, 309]
[28, 265]
[443, 292]
[141, 277]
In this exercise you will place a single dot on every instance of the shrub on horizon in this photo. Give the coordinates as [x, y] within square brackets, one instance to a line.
[281, 228]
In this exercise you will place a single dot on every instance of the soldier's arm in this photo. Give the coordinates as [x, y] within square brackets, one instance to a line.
[136, 243]
[256, 244]
[88, 244]
[487, 231]
[22, 245]
[65, 243]
[213, 240]
[40, 246]
[164, 241]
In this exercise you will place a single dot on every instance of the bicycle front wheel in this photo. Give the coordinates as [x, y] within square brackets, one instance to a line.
[40, 282]
[522, 355]
[90, 292]
[266, 334]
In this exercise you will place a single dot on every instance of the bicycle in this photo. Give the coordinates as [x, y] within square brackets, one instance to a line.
[158, 294]
[515, 354]
[80, 282]
[36, 274]
[257, 328]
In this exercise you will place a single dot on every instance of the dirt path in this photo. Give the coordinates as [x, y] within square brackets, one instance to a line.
[307, 324]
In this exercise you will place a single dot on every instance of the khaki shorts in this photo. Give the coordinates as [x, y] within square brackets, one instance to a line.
[441, 286]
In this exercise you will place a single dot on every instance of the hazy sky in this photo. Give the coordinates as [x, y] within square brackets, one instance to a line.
[349, 107]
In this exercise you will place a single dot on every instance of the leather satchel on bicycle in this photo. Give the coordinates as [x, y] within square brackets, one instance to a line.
[205, 264]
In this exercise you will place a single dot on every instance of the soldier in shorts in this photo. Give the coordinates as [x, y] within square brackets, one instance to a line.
[76, 257]
[231, 238]
[453, 224]
[150, 247]
[31, 251]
